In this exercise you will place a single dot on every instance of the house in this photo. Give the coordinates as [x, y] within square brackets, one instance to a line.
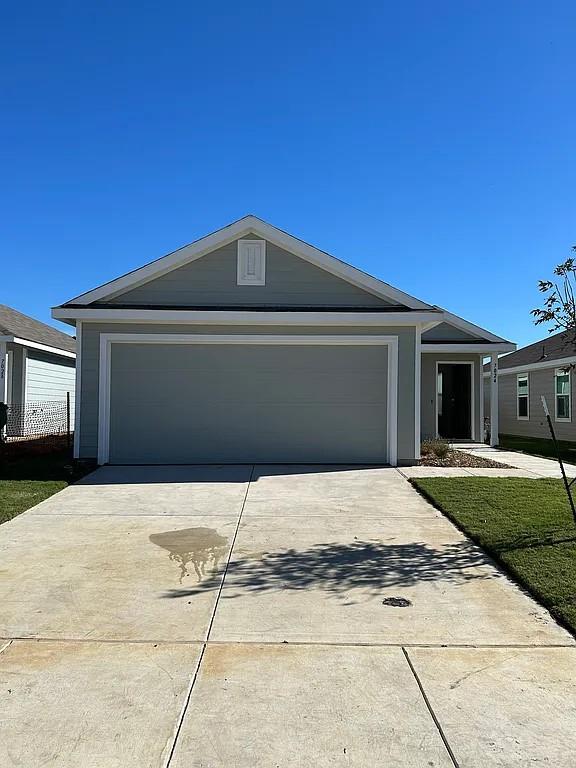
[250, 345]
[542, 368]
[37, 365]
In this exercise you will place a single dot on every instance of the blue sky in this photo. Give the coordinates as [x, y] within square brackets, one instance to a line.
[431, 144]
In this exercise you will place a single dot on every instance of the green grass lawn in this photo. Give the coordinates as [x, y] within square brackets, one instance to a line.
[29, 480]
[526, 525]
[538, 446]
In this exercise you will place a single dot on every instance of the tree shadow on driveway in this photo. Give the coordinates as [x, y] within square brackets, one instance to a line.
[368, 566]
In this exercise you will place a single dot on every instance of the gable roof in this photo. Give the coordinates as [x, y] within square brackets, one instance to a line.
[244, 226]
[19, 325]
[557, 347]
[466, 327]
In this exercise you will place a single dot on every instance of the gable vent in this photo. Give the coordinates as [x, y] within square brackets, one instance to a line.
[251, 262]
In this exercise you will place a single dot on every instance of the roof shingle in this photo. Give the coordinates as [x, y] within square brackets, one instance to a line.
[555, 347]
[14, 323]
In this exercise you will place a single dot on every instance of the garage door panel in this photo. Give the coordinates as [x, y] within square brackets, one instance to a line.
[242, 403]
[345, 392]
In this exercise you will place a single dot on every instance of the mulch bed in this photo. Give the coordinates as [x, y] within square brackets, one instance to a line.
[458, 459]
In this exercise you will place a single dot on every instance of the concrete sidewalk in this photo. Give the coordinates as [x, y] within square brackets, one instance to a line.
[258, 616]
[515, 464]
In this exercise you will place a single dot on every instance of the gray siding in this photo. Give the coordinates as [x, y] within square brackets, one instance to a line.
[90, 363]
[15, 373]
[447, 332]
[211, 281]
[244, 403]
[428, 390]
[541, 382]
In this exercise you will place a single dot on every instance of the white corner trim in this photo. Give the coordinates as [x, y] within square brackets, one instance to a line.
[36, 345]
[487, 349]
[417, 392]
[244, 275]
[78, 390]
[104, 372]
[3, 372]
[238, 229]
[23, 375]
[494, 402]
[481, 398]
[242, 317]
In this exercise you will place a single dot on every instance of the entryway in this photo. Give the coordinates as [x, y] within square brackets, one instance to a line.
[454, 401]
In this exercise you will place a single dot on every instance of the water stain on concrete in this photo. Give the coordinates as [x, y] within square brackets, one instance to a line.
[228, 658]
[203, 548]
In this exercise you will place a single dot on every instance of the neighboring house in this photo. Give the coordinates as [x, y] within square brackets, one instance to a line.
[37, 363]
[542, 368]
[249, 345]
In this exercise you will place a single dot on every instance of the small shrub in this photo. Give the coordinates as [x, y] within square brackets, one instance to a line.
[439, 448]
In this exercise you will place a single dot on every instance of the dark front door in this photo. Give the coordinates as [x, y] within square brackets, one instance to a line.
[454, 401]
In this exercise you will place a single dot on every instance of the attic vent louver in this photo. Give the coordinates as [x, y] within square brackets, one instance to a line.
[251, 262]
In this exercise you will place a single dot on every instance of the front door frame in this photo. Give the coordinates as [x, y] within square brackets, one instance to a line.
[472, 392]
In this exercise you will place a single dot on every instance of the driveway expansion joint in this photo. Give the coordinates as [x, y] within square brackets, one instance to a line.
[311, 643]
[188, 696]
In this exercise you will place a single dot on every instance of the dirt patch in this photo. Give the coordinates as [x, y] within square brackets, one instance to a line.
[458, 459]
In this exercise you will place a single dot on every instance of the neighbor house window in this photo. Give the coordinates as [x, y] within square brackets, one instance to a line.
[562, 394]
[522, 397]
[251, 262]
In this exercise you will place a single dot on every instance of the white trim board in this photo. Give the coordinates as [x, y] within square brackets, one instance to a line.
[104, 374]
[480, 363]
[36, 345]
[418, 393]
[472, 394]
[559, 363]
[237, 230]
[78, 391]
[242, 317]
[481, 349]
[3, 372]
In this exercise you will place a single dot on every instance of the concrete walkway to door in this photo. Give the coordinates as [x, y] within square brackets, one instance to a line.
[258, 616]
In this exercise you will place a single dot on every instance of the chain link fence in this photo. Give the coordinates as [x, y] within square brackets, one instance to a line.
[36, 427]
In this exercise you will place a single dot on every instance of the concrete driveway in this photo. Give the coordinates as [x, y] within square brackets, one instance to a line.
[268, 617]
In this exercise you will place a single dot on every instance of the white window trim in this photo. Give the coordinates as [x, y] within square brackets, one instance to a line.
[241, 277]
[563, 372]
[104, 375]
[527, 396]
